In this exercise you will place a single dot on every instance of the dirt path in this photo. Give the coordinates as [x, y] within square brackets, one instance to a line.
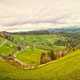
[16, 62]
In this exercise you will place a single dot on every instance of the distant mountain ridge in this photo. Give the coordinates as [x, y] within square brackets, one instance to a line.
[72, 29]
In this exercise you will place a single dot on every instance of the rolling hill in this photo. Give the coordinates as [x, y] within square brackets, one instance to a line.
[66, 68]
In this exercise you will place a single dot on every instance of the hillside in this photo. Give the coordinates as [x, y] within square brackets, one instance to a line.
[67, 68]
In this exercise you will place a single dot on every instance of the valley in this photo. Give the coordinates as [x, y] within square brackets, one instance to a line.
[52, 56]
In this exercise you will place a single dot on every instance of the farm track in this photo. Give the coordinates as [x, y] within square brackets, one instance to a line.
[17, 63]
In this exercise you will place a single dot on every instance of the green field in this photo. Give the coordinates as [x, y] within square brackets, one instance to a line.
[35, 43]
[65, 68]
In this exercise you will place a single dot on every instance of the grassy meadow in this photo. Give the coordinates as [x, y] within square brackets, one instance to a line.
[28, 49]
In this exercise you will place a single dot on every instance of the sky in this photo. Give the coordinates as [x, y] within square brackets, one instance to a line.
[25, 15]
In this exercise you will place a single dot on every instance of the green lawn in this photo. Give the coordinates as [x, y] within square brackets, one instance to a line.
[67, 68]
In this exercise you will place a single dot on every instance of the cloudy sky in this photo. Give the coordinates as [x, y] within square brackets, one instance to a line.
[17, 15]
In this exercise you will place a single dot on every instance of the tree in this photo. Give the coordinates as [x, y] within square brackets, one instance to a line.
[59, 42]
[44, 58]
[52, 55]
[72, 41]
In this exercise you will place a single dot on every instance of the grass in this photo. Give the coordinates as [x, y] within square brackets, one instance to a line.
[6, 47]
[30, 56]
[67, 68]
[36, 43]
